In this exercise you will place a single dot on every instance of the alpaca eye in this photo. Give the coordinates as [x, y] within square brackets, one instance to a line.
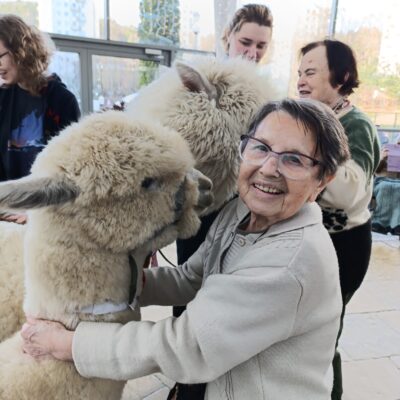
[150, 184]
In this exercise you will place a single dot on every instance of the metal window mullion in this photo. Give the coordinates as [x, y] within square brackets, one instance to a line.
[86, 81]
[107, 19]
[332, 21]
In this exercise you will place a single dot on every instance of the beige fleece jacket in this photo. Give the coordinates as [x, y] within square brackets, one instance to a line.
[263, 328]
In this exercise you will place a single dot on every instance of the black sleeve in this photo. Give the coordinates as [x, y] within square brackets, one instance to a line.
[71, 112]
[61, 111]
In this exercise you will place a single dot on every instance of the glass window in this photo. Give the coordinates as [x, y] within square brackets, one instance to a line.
[188, 56]
[83, 18]
[373, 33]
[66, 65]
[117, 79]
[27, 10]
[145, 21]
[124, 20]
[185, 23]
[197, 25]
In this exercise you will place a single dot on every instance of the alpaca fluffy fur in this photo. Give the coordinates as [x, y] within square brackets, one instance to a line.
[210, 104]
[105, 187]
[11, 278]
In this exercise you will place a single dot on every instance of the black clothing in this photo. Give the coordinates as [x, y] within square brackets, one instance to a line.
[185, 248]
[27, 123]
[350, 246]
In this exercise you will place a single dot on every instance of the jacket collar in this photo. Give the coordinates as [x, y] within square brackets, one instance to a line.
[309, 214]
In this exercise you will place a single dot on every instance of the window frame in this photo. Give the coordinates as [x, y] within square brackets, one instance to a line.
[87, 47]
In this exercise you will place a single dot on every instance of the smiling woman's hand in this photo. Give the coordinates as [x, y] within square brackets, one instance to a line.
[44, 339]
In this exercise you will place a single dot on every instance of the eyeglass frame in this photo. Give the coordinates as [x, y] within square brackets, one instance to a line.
[248, 137]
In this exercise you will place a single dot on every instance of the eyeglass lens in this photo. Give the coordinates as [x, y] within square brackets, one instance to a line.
[291, 165]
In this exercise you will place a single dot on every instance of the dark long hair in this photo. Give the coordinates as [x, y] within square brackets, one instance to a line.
[342, 64]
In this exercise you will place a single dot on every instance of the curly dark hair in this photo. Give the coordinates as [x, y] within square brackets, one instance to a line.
[29, 50]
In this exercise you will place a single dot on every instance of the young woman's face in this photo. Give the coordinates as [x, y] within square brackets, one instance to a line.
[8, 69]
[250, 42]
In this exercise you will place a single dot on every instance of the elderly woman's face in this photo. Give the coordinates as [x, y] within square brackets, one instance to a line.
[8, 69]
[270, 196]
[250, 42]
[314, 78]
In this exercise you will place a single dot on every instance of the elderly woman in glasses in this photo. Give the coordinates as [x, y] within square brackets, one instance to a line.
[262, 292]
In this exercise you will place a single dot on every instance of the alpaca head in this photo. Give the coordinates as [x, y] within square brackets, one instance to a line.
[210, 103]
[117, 181]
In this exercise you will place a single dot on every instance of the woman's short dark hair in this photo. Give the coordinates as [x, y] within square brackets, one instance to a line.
[342, 64]
[317, 118]
[256, 13]
[30, 49]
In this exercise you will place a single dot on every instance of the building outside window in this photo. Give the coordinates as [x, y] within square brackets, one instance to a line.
[182, 29]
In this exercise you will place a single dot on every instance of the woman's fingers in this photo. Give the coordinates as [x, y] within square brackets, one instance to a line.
[37, 354]
[32, 350]
[46, 338]
[37, 336]
[27, 332]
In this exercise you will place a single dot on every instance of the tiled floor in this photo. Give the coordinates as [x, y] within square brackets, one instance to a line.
[370, 343]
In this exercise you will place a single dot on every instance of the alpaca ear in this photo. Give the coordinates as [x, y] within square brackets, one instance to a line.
[194, 81]
[28, 193]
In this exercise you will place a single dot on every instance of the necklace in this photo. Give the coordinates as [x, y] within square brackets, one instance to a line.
[341, 104]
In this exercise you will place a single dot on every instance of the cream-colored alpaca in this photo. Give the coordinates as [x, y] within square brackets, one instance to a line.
[106, 187]
[11, 278]
[210, 104]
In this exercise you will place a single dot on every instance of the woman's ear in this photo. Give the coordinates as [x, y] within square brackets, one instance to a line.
[320, 187]
[345, 79]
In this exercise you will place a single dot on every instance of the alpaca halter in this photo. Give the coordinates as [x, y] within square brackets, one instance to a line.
[136, 286]
[137, 279]
[104, 308]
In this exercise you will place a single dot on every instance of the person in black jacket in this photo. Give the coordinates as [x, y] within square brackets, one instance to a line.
[34, 106]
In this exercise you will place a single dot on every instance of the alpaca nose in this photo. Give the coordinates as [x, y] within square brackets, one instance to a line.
[205, 186]
[180, 199]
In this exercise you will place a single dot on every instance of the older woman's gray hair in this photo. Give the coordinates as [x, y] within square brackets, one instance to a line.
[319, 119]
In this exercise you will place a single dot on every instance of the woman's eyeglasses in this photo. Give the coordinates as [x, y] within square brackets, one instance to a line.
[292, 165]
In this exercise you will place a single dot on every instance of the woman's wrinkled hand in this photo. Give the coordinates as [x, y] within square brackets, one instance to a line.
[47, 339]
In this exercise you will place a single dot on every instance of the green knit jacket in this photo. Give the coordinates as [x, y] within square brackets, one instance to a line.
[363, 140]
[345, 201]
